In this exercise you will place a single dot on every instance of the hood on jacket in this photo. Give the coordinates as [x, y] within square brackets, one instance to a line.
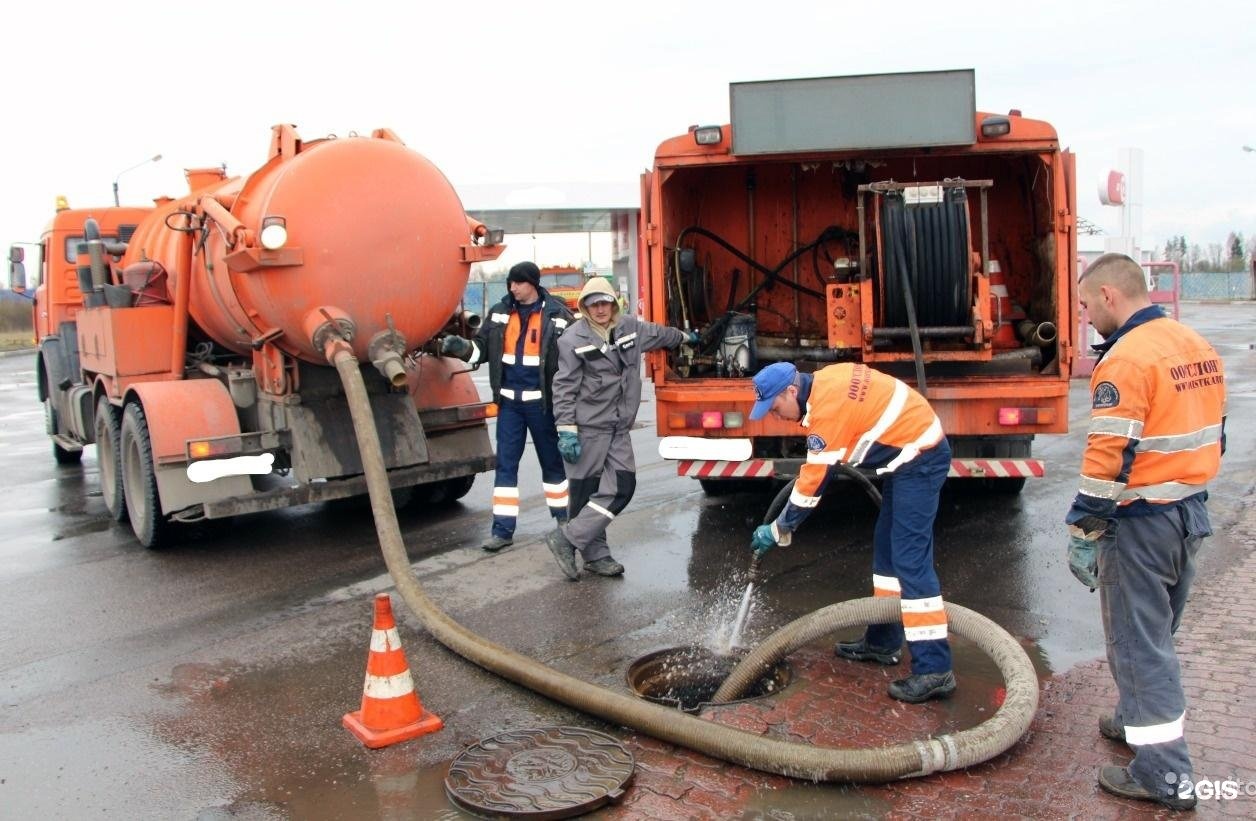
[598, 285]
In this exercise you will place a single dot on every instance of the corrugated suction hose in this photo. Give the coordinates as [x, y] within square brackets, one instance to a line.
[736, 746]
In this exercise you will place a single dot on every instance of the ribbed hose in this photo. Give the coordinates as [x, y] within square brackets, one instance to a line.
[972, 746]
[726, 743]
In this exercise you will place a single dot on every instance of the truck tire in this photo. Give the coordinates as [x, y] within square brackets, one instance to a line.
[139, 479]
[109, 457]
[442, 492]
[52, 426]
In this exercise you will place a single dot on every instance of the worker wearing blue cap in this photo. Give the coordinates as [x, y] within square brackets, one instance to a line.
[857, 416]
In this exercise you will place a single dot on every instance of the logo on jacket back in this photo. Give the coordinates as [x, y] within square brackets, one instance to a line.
[815, 443]
[1106, 396]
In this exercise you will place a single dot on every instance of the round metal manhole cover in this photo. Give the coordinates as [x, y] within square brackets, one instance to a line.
[545, 772]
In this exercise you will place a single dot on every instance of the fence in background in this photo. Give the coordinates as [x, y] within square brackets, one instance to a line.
[1223, 286]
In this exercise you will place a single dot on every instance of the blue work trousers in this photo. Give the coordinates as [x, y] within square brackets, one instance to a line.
[515, 420]
[903, 549]
[1146, 565]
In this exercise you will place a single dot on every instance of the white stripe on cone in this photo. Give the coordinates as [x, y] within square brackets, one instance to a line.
[388, 686]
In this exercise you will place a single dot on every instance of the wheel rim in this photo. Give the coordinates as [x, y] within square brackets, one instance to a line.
[106, 455]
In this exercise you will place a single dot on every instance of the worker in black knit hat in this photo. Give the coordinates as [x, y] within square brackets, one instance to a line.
[519, 340]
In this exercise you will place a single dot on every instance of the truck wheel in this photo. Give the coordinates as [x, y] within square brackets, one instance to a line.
[63, 456]
[442, 492]
[109, 457]
[139, 479]
[455, 489]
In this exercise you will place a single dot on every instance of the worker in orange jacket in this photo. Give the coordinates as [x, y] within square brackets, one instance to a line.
[1156, 436]
[864, 418]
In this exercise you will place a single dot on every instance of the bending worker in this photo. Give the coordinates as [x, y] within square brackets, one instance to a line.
[1157, 433]
[520, 343]
[862, 417]
[597, 393]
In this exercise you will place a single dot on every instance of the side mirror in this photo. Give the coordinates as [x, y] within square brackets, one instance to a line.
[17, 277]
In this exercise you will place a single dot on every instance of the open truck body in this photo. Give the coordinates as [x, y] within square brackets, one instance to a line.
[877, 219]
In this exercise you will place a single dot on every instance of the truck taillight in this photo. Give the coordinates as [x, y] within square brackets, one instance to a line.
[706, 420]
[209, 448]
[1011, 417]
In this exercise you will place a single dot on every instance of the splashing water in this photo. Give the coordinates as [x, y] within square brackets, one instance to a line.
[743, 614]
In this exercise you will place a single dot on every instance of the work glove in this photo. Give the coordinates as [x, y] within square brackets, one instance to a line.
[1083, 541]
[692, 338]
[767, 537]
[569, 446]
[457, 347]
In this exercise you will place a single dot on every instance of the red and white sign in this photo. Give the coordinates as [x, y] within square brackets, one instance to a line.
[960, 468]
[1112, 188]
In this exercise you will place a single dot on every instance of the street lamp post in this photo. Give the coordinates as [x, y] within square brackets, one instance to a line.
[154, 158]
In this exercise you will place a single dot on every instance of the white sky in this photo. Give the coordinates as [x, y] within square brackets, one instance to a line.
[583, 91]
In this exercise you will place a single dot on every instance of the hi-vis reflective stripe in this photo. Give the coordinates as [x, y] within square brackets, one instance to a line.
[523, 396]
[624, 340]
[506, 501]
[888, 416]
[531, 361]
[502, 318]
[1167, 492]
[924, 619]
[601, 510]
[1155, 733]
[556, 495]
[1116, 426]
[1210, 435]
[799, 499]
[1100, 488]
[885, 585]
[559, 322]
[388, 686]
[931, 436]
[584, 349]
[826, 457]
[476, 353]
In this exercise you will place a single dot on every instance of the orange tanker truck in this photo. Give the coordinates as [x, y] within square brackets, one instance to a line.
[878, 219]
[187, 341]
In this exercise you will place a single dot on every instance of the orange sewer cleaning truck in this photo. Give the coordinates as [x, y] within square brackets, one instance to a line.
[879, 219]
[187, 340]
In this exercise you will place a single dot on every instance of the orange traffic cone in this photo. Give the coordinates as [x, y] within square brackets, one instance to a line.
[391, 711]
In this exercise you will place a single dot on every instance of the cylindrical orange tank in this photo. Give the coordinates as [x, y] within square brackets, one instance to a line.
[374, 229]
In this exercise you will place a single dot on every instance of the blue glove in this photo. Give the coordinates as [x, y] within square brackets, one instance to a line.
[764, 539]
[692, 338]
[1083, 537]
[569, 446]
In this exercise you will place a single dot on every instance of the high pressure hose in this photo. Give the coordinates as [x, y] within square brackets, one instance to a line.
[736, 746]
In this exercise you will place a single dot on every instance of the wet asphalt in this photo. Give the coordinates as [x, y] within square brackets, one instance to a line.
[208, 680]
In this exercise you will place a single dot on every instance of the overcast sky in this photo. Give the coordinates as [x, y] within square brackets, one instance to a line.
[549, 92]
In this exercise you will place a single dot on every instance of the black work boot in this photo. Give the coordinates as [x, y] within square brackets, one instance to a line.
[1109, 727]
[860, 651]
[564, 553]
[1118, 781]
[495, 543]
[923, 686]
[605, 566]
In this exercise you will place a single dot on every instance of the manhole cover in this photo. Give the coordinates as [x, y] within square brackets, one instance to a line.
[687, 677]
[545, 772]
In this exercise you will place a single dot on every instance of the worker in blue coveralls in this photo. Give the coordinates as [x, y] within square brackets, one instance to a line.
[519, 340]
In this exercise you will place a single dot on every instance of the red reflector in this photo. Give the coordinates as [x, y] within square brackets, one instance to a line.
[712, 419]
[1009, 416]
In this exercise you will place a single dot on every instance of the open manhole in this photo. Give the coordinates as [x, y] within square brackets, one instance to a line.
[687, 677]
[545, 772]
